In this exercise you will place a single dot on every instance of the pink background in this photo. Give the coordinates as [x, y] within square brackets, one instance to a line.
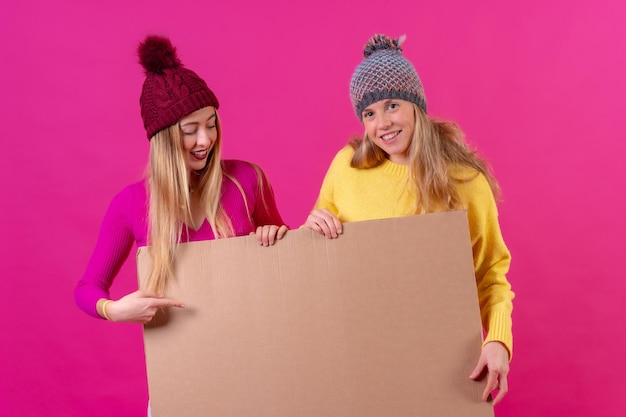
[538, 87]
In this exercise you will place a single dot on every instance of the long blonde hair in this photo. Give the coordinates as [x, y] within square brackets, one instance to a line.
[436, 148]
[170, 200]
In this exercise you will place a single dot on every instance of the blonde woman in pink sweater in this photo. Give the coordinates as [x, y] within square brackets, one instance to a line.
[190, 193]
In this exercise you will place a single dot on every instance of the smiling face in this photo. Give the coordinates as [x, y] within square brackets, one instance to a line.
[390, 125]
[199, 132]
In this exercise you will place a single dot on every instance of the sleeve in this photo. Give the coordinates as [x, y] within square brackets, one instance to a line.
[265, 210]
[326, 197]
[113, 246]
[491, 263]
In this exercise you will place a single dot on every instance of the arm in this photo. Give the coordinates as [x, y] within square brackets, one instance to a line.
[323, 218]
[112, 248]
[491, 264]
[115, 240]
[270, 225]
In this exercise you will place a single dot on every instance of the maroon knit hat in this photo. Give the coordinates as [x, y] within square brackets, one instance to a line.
[170, 91]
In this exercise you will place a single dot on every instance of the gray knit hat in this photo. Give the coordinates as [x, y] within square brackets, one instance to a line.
[384, 74]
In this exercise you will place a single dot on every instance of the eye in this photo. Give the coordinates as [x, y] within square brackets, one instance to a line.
[190, 132]
[367, 114]
[392, 106]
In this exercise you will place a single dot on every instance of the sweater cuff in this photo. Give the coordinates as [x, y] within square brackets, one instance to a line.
[500, 326]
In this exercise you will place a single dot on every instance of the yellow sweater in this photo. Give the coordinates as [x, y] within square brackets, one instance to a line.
[382, 192]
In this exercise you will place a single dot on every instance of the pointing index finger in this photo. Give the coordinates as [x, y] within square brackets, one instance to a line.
[168, 302]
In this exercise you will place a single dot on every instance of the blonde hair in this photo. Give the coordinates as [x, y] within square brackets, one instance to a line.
[436, 148]
[170, 200]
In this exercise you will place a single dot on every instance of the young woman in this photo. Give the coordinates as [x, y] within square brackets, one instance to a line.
[189, 193]
[407, 164]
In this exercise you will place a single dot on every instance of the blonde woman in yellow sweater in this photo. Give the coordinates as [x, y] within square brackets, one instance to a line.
[407, 164]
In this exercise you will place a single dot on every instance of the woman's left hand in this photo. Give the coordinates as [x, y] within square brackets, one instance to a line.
[267, 235]
[495, 357]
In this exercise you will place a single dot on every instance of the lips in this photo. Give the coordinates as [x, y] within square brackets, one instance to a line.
[390, 136]
[199, 155]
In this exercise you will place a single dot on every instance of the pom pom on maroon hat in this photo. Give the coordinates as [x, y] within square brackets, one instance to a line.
[156, 54]
[383, 74]
[170, 91]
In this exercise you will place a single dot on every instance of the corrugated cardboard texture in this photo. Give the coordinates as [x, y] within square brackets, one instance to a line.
[382, 321]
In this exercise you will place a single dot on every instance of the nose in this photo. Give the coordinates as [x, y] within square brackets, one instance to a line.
[203, 138]
[383, 121]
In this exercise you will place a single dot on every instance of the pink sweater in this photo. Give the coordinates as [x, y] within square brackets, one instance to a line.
[125, 223]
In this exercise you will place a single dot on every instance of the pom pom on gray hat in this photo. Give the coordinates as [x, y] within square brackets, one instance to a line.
[385, 74]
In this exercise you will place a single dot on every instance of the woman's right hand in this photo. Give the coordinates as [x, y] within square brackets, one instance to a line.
[137, 307]
[269, 234]
[324, 222]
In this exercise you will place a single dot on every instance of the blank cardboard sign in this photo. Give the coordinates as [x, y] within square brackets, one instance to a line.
[382, 321]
